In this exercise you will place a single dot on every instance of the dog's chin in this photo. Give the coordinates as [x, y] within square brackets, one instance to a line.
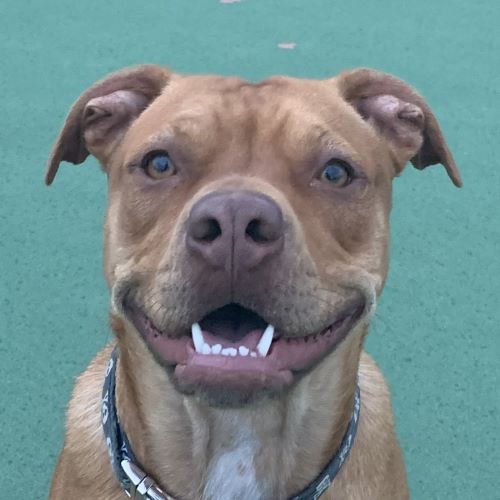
[232, 357]
[224, 396]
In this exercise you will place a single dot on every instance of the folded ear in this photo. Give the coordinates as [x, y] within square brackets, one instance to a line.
[401, 116]
[100, 117]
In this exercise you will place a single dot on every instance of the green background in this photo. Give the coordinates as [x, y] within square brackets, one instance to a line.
[436, 335]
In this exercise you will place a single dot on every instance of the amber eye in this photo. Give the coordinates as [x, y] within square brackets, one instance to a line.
[337, 172]
[158, 165]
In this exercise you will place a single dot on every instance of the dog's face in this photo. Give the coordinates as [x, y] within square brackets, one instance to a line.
[247, 226]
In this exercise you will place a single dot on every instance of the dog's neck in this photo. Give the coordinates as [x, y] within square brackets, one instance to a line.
[272, 449]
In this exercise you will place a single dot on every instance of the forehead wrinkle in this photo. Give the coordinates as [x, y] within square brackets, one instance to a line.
[339, 145]
[199, 138]
[160, 138]
[303, 136]
[190, 130]
[299, 134]
[313, 130]
[188, 124]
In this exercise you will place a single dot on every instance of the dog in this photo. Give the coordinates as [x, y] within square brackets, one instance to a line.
[246, 245]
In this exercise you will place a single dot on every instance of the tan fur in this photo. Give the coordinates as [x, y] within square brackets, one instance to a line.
[263, 138]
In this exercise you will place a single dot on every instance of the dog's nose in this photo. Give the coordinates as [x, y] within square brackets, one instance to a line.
[235, 229]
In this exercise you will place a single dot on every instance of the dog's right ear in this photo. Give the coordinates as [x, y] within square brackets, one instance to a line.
[100, 117]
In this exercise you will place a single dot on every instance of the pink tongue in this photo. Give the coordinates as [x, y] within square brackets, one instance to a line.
[250, 340]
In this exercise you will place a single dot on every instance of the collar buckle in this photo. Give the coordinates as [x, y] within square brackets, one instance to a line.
[142, 486]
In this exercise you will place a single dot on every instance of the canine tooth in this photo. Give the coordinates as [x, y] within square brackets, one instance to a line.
[216, 349]
[198, 339]
[265, 341]
[206, 349]
[243, 351]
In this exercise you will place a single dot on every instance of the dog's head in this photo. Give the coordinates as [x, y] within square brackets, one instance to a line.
[247, 225]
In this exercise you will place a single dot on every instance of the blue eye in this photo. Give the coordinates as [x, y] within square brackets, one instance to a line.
[337, 172]
[158, 165]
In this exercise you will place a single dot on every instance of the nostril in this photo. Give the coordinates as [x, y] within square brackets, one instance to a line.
[254, 231]
[260, 232]
[206, 230]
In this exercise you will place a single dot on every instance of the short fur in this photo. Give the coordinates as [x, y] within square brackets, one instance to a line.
[273, 138]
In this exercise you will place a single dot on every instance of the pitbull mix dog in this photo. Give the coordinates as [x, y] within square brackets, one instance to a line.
[246, 245]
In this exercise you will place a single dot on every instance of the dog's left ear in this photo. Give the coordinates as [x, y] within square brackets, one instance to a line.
[401, 116]
[102, 114]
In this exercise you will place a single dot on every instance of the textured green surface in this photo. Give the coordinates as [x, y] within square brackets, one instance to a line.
[437, 334]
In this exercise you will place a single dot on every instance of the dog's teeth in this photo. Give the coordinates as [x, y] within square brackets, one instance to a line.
[229, 351]
[253, 354]
[216, 349]
[198, 339]
[265, 341]
[243, 351]
[206, 349]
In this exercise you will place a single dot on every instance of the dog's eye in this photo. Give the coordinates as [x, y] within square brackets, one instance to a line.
[337, 172]
[158, 165]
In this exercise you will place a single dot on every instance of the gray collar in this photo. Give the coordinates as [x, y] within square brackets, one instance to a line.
[138, 485]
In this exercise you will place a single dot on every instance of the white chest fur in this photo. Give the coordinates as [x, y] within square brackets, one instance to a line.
[231, 472]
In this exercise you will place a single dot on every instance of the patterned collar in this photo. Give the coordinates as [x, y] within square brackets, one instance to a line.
[138, 485]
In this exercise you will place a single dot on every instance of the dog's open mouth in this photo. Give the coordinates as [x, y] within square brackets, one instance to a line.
[235, 348]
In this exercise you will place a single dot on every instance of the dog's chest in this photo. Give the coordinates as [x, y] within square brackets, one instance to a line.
[231, 471]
